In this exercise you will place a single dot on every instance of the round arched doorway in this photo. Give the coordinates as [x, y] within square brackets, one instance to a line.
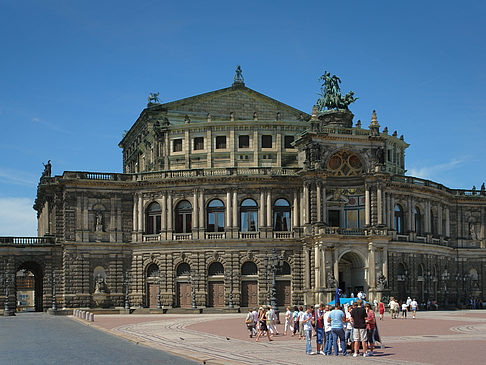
[28, 285]
[352, 275]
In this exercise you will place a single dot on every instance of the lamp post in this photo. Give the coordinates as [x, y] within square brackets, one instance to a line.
[275, 263]
[445, 277]
[53, 280]
[126, 281]
[267, 269]
[159, 279]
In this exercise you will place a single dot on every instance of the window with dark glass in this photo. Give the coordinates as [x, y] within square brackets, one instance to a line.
[183, 217]
[418, 221]
[288, 141]
[249, 268]
[215, 269]
[266, 141]
[334, 217]
[399, 219]
[248, 216]
[283, 269]
[244, 141]
[177, 145]
[198, 143]
[153, 271]
[220, 142]
[281, 215]
[215, 216]
[153, 214]
[183, 269]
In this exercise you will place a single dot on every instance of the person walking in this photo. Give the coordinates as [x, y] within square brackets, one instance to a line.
[358, 316]
[319, 320]
[413, 306]
[370, 328]
[250, 323]
[337, 319]
[288, 322]
[404, 310]
[381, 307]
[262, 320]
[301, 326]
[295, 317]
[307, 326]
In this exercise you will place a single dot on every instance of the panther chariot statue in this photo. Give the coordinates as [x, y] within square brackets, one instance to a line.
[153, 98]
[331, 97]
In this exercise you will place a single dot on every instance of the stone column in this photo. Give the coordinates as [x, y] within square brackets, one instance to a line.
[384, 261]
[367, 206]
[228, 211]
[306, 203]
[269, 209]
[412, 217]
[371, 265]
[392, 211]
[135, 213]
[319, 203]
[163, 216]
[448, 223]
[169, 215]
[410, 214]
[195, 213]
[262, 209]
[317, 275]
[307, 268]
[140, 213]
[336, 265]
[323, 266]
[380, 205]
[439, 219]
[296, 209]
[427, 217]
[201, 213]
[324, 205]
[235, 209]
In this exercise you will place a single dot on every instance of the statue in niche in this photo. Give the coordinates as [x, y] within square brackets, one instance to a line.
[99, 221]
[381, 282]
[331, 281]
[99, 284]
[380, 155]
[472, 231]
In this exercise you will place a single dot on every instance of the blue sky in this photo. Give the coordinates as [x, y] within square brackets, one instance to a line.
[75, 75]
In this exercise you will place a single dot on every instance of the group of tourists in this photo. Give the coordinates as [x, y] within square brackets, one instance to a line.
[401, 308]
[334, 327]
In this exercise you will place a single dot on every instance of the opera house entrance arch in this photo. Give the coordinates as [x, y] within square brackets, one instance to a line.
[352, 273]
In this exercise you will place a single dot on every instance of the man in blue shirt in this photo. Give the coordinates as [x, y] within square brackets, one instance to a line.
[337, 319]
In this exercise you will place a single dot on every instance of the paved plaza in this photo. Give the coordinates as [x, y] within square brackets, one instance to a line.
[437, 337]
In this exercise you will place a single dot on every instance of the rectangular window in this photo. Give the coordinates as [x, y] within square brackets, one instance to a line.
[266, 141]
[244, 141]
[177, 145]
[288, 141]
[334, 218]
[220, 142]
[198, 143]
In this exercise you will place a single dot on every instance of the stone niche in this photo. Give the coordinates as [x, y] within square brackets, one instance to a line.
[101, 295]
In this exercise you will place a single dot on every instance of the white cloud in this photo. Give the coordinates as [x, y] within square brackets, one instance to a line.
[17, 217]
[17, 177]
[35, 119]
[432, 172]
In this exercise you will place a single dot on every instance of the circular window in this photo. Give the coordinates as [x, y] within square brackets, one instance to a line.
[345, 163]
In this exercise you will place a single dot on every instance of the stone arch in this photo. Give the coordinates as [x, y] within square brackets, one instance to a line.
[35, 291]
[352, 272]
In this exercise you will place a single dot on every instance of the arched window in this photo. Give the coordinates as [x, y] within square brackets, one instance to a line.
[420, 271]
[399, 219]
[183, 217]
[283, 269]
[183, 269]
[215, 216]
[248, 216]
[281, 215]
[153, 271]
[401, 269]
[153, 213]
[249, 268]
[215, 269]
[418, 221]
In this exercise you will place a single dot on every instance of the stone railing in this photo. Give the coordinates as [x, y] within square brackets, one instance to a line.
[283, 235]
[215, 235]
[422, 182]
[248, 235]
[27, 241]
[182, 236]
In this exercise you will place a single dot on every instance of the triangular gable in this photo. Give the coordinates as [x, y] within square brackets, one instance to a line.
[243, 102]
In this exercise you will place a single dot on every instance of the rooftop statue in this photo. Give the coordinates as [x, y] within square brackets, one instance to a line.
[238, 75]
[331, 97]
[153, 98]
[47, 169]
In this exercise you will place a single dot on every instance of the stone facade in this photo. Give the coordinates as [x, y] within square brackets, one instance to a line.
[230, 195]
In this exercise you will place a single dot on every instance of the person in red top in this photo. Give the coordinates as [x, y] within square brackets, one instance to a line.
[382, 309]
[370, 328]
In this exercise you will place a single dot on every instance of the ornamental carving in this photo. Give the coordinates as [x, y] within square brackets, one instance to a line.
[345, 163]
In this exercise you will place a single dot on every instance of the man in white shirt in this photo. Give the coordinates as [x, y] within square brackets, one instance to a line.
[307, 325]
[413, 306]
[327, 332]
[301, 326]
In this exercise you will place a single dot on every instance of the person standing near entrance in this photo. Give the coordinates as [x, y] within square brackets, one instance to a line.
[370, 327]
[327, 331]
[307, 325]
[319, 318]
[337, 319]
[358, 316]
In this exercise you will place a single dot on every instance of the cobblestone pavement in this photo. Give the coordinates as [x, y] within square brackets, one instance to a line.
[432, 338]
[39, 338]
